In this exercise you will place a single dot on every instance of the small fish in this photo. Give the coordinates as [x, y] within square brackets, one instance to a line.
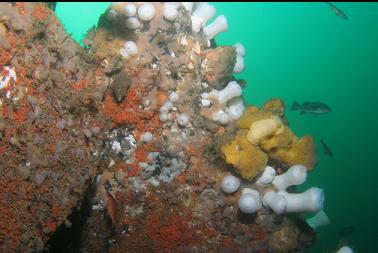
[347, 230]
[111, 207]
[337, 11]
[121, 85]
[311, 107]
[326, 149]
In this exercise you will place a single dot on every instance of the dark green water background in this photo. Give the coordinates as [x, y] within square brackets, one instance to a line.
[303, 51]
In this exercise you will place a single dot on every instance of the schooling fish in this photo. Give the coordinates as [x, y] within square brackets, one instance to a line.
[311, 107]
[326, 149]
[337, 11]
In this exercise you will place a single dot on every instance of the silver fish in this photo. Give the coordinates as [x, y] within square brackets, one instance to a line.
[337, 11]
[311, 107]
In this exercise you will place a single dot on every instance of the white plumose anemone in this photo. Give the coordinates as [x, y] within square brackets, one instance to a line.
[320, 219]
[275, 202]
[239, 65]
[309, 201]
[203, 13]
[232, 90]
[267, 176]
[295, 175]
[240, 49]
[219, 25]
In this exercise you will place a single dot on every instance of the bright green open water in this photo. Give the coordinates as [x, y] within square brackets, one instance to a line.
[303, 51]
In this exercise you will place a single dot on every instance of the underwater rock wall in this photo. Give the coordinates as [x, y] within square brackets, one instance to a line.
[48, 125]
[151, 115]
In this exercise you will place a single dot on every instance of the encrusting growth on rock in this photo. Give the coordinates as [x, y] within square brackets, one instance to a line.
[150, 120]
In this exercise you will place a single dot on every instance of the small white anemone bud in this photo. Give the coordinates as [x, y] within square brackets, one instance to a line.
[205, 102]
[309, 201]
[147, 137]
[132, 23]
[131, 48]
[240, 49]
[112, 14]
[220, 116]
[166, 107]
[164, 117]
[231, 91]
[236, 108]
[295, 175]
[173, 97]
[320, 219]
[130, 10]
[219, 25]
[154, 182]
[146, 12]
[188, 6]
[345, 249]
[205, 95]
[249, 201]
[275, 202]
[124, 53]
[239, 65]
[230, 184]
[267, 176]
[170, 10]
[216, 115]
[224, 118]
[183, 119]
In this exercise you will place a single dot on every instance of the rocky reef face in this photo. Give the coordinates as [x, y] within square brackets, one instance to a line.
[138, 129]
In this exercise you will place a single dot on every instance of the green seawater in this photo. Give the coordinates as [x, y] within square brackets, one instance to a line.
[304, 52]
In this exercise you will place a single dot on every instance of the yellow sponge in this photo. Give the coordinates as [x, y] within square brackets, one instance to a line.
[249, 160]
[301, 152]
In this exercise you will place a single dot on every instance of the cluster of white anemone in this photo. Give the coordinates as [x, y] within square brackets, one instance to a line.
[279, 201]
[201, 13]
[145, 12]
[166, 109]
[229, 98]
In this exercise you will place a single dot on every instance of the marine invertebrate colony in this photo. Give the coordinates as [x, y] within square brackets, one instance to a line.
[154, 119]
